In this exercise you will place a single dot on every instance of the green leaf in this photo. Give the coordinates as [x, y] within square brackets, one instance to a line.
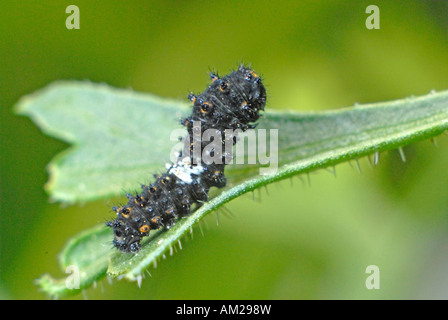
[86, 255]
[306, 142]
[119, 137]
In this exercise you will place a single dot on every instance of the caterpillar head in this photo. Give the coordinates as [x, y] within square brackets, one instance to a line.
[128, 229]
[126, 239]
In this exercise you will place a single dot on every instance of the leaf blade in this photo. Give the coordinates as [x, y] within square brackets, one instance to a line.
[114, 144]
[306, 142]
[84, 258]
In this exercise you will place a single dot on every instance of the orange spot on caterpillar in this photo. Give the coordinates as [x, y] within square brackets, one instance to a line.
[165, 180]
[138, 199]
[223, 86]
[205, 107]
[144, 228]
[126, 212]
[192, 97]
[213, 77]
[155, 220]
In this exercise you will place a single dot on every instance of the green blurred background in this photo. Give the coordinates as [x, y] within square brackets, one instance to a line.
[299, 241]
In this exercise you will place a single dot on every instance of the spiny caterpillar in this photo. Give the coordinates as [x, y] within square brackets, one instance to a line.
[230, 103]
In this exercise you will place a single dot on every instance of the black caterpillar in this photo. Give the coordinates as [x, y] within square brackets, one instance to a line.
[231, 102]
